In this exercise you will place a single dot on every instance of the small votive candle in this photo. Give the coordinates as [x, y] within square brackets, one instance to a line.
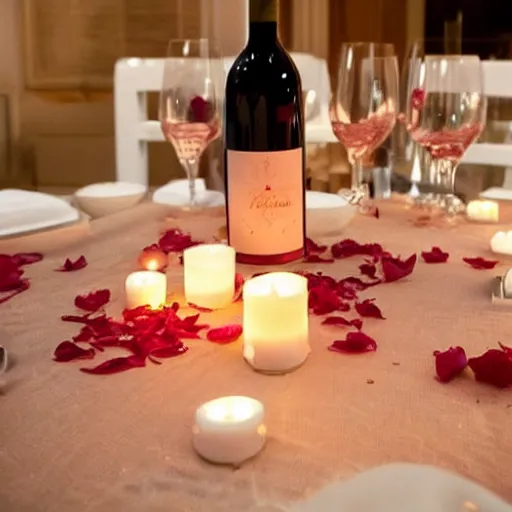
[501, 242]
[507, 284]
[275, 322]
[153, 258]
[209, 275]
[483, 211]
[146, 287]
[229, 430]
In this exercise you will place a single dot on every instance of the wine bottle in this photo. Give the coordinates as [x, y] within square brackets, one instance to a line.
[264, 147]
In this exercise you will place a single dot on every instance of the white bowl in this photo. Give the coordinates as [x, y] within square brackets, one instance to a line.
[327, 214]
[101, 199]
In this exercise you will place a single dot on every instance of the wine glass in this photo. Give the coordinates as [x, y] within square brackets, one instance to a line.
[363, 109]
[189, 102]
[445, 112]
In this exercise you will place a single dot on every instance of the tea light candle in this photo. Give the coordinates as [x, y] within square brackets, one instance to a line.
[507, 284]
[153, 258]
[146, 287]
[229, 430]
[501, 242]
[209, 275]
[483, 211]
[275, 322]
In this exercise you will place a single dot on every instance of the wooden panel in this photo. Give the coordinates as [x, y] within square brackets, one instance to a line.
[286, 23]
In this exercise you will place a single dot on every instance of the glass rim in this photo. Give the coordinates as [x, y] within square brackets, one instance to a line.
[368, 43]
[452, 57]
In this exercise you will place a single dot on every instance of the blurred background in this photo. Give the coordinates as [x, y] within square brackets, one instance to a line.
[57, 59]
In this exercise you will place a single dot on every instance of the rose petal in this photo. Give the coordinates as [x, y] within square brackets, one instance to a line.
[174, 240]
[171, 351]
[93, 301]
[347, 248]
[355, 342]
[435, 255]
[368, 269]
[199, 308]
[239, 287]
[314, 248]
[480, 263]
[27, 258]
[116, 365]
[225, 334]
[339, 321]
[357, 323]
[68, 351]
[450, 363]
[493, 367]
[24, 285]
[153, 258]
[315, 258]
[394, 269]
[368, 309]
[71, 266]
[10, 274]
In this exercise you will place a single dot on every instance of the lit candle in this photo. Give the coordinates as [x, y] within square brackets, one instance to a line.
[507, 284]
[501, 242]
[483, 211]
[146, 287]
[153, 258]
[275, 322]
[229, 430]
[209, 275]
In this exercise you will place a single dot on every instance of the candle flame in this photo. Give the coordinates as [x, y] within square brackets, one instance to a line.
[229, 410]
[152, 265]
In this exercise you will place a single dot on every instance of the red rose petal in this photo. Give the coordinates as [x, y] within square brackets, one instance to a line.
[355, 343]
[368, 269]
[71, 266]
[450, 363]
[171, 351]
[174, 240]
[435, 255]
[368, 309]
[116, 365]
[27, 258]
[239, 287]
[395, 268]
[347, 248]
[315, 258]
[339, 321]
[314, 248]
[225, 334]
[480, 263]
[357, 323]
[68, 351]
[153, 258]
[199, 308]
[79, 319]
[10, 274]
[93, 301]
[376, 213]
[493, 367]
[24, 285]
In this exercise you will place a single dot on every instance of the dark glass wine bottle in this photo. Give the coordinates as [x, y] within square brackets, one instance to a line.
[264, 147]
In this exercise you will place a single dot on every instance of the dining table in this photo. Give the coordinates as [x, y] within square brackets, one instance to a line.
[71, 441]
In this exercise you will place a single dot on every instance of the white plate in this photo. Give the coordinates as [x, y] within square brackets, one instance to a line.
[497, 193]
[404, 488]
[23, 212]
[327, 214]
[176, 193]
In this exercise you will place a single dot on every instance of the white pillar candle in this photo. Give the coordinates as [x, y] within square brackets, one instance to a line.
[146, 287]
[229, 430]
[209, 275]
[501, 242]
[275, 322]
[507, 284]
[483, 211]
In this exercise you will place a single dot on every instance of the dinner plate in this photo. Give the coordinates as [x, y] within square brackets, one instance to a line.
[497, 193]
[23, 212]
[404, 488]
[176, 193]
[327, 214]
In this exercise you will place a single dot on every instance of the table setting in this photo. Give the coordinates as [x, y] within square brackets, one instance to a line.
[147, 362]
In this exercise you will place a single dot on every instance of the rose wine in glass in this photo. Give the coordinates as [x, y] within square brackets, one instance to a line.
[363, 109]
[189, 111]
[264, 147]
[445, 114]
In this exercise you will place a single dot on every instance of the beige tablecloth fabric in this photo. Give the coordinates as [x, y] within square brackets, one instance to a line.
[76, 442]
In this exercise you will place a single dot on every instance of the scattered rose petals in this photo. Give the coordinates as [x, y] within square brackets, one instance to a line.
[71, 266]
[340, 321]
[166, 352]
[480, 263]
[68, 351]
[315, 258]
[224, 334]
[174, 240]
[12, 281]
[450, 363]
[347, 248]
[93, 301]
[368, 309]
[394, 269]
[153, 258]
[355, 343]
[493, 367]
[357, 323]
[239, 287]
[27, 258]
[116, 365]
[435, 255]
[368, 270]
[314, 248]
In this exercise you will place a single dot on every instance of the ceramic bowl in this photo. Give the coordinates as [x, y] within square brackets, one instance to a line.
[101, 199]
[327, 214]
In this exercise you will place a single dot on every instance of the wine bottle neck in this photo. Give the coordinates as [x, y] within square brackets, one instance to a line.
[263, 15]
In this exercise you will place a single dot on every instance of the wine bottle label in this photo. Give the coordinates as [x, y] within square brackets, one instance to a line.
[265, 201]
[263, 10]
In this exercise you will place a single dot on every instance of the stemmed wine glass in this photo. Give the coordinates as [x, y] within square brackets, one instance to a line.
[189, 102]
[364, 105]
[444, 113]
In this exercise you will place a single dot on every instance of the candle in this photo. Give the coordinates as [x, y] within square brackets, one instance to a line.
[507, 284]
[483, 211]
[209, 275]
[229, 430]
[153, 258]
[275, 322]
[146, 287]
[501, 242]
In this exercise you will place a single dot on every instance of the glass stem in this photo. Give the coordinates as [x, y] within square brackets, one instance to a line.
[446, 176]
[192, 170]
[357, 173]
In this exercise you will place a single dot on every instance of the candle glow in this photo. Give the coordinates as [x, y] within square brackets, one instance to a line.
[483, 211]
[146, 287]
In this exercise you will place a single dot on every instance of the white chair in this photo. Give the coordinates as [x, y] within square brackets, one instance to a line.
[134, 78]
[497, 83]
